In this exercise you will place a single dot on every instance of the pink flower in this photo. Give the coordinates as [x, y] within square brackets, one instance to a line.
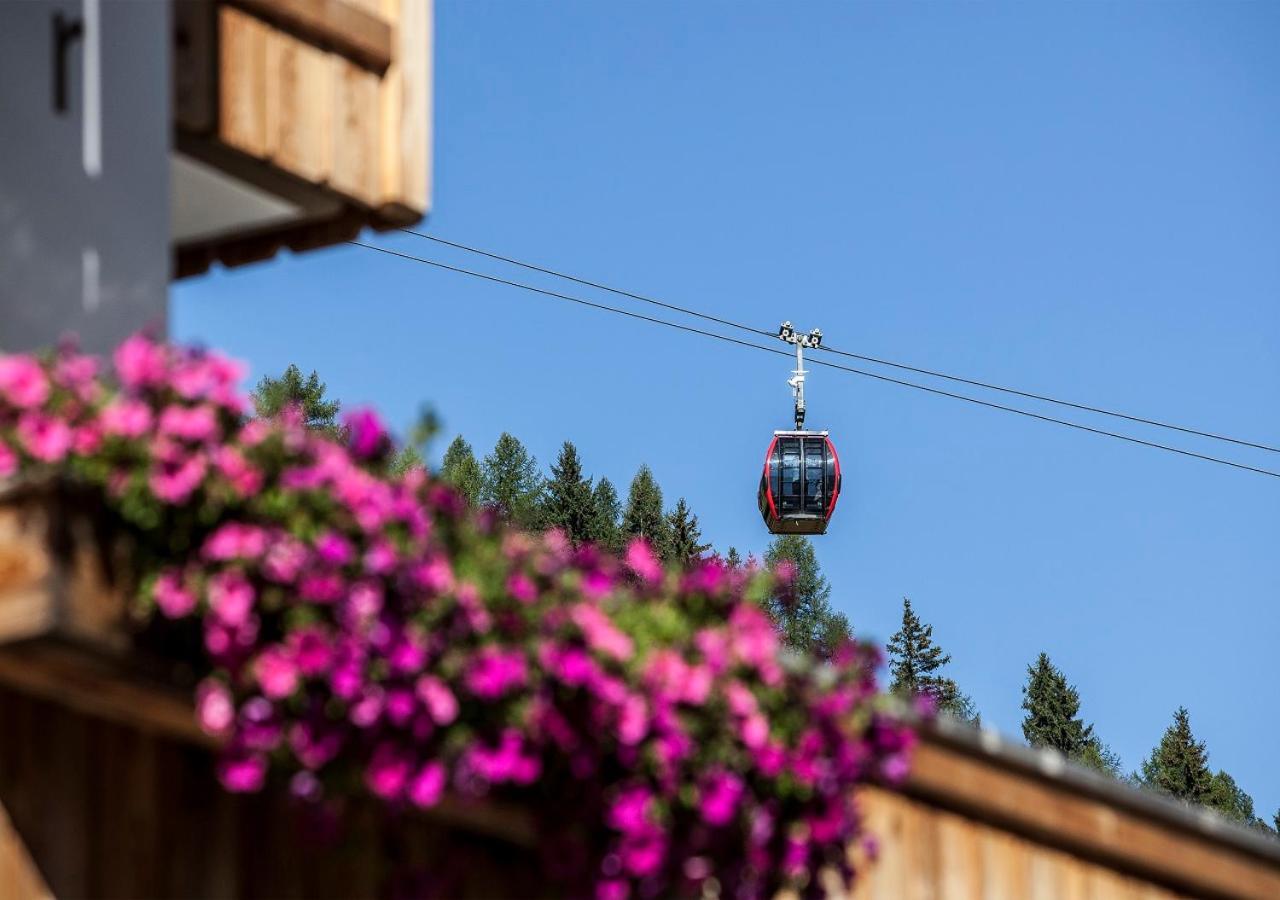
[174, 600]
[333, 548]
[214, 709]
[643, 852]
[126, 418]
[8, 461]
[189, 423]
[520, 586]
[493, 672]
[23, 382]
[426, 787]
[367, 436]
[277, 673]
[140, 362]
[388, 771]
[44, 437]
[235, 541]
[174, 482]
[601, 634]
[612, 889]
[435, 575]
[630, 811]
[719, 798]
[285, 558]
[242, 772]
[245, 478]
[642, 560]
[231, 598]
[633, 721]
[312, 651]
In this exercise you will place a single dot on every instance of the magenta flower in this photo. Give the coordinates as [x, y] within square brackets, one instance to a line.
[231, 598]
[427, 785]
[242, 772]
[601, 634]
[126, 418]
[189, 423]
[277, 673]
[333, 548]
[44, 437]
[387, 774]
[719, 798]
[23, 382]
[245, 479]
[642, 560]
[140, 362]
[8, 461]
[521, 587]
[175, 482]
[174, 600]
[366, 435]
[493, 672]
[214, 709]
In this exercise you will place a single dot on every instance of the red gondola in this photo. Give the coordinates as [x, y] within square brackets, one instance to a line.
[801, 479]
[800, 483]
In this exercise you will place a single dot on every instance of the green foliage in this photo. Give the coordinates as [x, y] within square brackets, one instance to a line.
[1100, 757]
[801, 610]
[406, 458]
[643, 516]
[1052, 706]
[273, 396]
[460, 469]
[606, 512]
[510, 482]
[1179, 764]
[685, 535]
[733, 559]
[567, 501]
[913, 661]
[1229, 800]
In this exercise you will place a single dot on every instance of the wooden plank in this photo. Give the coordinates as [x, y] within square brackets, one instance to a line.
[352, 29]
[242, 81]
[194, 66]
[299, 115]
[1083, 825]
[960, 858]
[405, 96]
[355, 136]
[20, 877]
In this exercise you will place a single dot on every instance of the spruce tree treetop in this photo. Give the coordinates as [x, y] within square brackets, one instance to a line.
[567, 501]
[510, 481]
[685, 535]
[643, 516]
[273, 395]
[461, 469]
[801, 609]
[914, 660]
[1179, 764]
[733, 559]
[605, 528]
[1052, 706]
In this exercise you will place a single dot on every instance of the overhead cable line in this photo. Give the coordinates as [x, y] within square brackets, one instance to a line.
[1083, 407]
[843, 368]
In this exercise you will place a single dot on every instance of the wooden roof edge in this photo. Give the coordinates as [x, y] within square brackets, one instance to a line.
[1052, 767]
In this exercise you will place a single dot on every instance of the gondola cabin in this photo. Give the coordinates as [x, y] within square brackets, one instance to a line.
[800, 483]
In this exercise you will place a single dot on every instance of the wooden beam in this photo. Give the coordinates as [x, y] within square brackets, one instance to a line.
[344, 27]
[405, 98]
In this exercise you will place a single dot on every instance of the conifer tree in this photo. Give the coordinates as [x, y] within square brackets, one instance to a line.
[913, 661]
[406, 458]
[1229, 800]
[1052, 706]
[733, 559]
[510, 482]
[567, 502]
[801, 609]
[1275, 821]
[685, 535]
[607, 509]
[273, 395]
[1179, 764]
[460, 469]
[643, 516]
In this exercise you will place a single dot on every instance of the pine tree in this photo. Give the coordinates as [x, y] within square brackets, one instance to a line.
[685, 535]
[913, 660]
[510, 482]
[801, 609]
[273, 395]
[643, 516]
[733, 559]
[567, 503]
[1229, 800]
[460, 469]
[406, 458]
[1275, 821]
[1179, 765]
[1052, 706]
[607, 509]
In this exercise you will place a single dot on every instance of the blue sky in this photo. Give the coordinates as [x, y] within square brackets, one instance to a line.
[1080, 199]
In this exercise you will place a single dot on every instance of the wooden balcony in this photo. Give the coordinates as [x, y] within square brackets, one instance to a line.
[107, 787]
[296, 124]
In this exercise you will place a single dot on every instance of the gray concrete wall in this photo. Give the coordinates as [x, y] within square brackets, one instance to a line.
[84, 198]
